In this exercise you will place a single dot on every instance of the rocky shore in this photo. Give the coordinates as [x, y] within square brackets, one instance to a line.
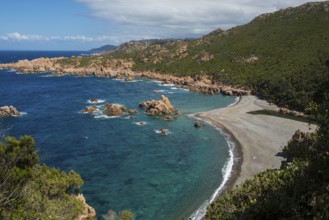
[121, 69]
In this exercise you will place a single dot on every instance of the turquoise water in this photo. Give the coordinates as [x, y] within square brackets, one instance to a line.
[124, 166]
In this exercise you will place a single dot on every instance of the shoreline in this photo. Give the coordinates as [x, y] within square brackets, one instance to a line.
[253, 152]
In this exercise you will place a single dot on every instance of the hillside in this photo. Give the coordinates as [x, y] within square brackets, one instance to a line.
[281, 55]
[140, 45]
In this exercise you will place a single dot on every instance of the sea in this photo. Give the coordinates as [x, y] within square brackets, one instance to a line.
[124, 165]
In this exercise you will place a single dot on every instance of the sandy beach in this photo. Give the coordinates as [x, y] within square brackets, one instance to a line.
[259, 138]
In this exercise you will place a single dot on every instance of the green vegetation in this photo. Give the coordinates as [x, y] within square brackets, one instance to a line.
[281, 115]
[32, 191]
[298, 191]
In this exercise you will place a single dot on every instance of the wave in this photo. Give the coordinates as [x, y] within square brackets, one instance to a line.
[156, 81]
[167, 84]
[96, 102]
[226, 173]
[159, 131]
[21, 114]
[103, 116]
[236, 101]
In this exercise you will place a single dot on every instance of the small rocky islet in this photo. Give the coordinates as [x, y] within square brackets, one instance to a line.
[8, 111]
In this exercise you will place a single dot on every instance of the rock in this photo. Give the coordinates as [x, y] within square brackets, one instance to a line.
[158, 107]
[130, 78]
[197, 124]
[9, 111]
[113, 109]
[132, 111]
[292, 112]
[94, 100]
[89, 212]
[168, 118]
[163, 131]
[89, 109]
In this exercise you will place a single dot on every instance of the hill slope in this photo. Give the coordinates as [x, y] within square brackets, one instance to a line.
[281, 56]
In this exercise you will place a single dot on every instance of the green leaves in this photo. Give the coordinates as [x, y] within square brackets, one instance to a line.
[32, 191]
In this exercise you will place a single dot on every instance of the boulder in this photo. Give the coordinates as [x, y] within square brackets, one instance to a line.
[158, 107]
[90, 109]
[197, 124]
[94, 100]
[163, 131]
[130, 78]
[113, 109]
[9, 111]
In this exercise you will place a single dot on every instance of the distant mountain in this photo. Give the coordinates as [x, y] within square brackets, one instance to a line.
[103, 49]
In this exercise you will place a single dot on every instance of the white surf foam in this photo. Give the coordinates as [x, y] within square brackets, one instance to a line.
[167, 84]
[236, 101]
[140, 123]
[159, 132]
[97, 102]
[226, 173]
[21, 114]
[102, 116]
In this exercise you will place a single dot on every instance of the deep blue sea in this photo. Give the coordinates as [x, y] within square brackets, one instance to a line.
[124, 166]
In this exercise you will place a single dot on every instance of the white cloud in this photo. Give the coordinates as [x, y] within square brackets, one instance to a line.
[182, 17]
[79, 38]
[22, 37]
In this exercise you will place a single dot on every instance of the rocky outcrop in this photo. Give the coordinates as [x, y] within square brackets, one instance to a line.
[292, 112]
[6, 111]
[227, 90]
[113, 109]
[158, 107]
[89, 109]
[94, 100]
[88, 212]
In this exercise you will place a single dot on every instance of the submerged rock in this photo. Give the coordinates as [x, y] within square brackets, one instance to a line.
[6, 111]
[168, 118]
[132, 111]
[158, 107]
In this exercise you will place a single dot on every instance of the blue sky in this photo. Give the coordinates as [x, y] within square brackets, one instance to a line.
[86, 24]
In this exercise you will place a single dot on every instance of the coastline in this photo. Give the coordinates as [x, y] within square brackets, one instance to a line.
[258, 139]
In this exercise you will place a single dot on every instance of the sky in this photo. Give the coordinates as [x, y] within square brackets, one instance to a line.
[87, 24]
